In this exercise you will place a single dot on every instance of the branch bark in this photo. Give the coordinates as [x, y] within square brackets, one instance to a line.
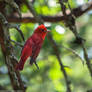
[10, 61]
[77, 12]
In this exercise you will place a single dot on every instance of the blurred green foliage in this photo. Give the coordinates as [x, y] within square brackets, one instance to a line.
[49, 77]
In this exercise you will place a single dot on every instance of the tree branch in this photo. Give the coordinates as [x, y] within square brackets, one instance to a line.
[7, 50]
[75, 53]
[55, 47]
[77, 12]
[70, 22]
[17, 43]
[17, 27]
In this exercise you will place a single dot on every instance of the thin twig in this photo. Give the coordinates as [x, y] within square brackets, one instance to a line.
[75, 53]
[31, 9]
[88, 62]
[17, 27]
[17, 43]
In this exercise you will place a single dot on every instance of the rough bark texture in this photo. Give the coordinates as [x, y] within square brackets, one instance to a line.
[8, 53]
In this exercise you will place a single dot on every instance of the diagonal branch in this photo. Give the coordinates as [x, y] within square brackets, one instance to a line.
[55, 47]
[17, 43]
[70, 22]
[17, 27]
[75, 53]
[77, 12]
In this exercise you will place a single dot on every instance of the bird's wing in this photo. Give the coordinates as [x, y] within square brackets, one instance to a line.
[28, 42]
[27, 49]
[25, 53]
[35, 52]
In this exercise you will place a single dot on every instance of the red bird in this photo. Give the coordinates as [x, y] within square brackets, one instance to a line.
[32, 47]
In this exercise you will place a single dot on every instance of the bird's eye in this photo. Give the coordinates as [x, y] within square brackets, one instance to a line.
[42, 29]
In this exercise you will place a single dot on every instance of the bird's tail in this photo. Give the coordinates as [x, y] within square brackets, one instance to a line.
[20, 65]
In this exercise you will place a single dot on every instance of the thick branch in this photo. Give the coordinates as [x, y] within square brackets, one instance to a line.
[10, 61]
[33, 20]
[77, 12]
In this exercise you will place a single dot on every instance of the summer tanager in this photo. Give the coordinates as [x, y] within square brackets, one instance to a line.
[32, 47]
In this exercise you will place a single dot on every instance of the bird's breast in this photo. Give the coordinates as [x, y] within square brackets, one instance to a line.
[37, 39]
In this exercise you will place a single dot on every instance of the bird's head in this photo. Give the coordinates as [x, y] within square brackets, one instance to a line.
[41, 30]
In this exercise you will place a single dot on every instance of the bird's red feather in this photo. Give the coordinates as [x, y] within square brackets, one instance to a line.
[32, 46]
